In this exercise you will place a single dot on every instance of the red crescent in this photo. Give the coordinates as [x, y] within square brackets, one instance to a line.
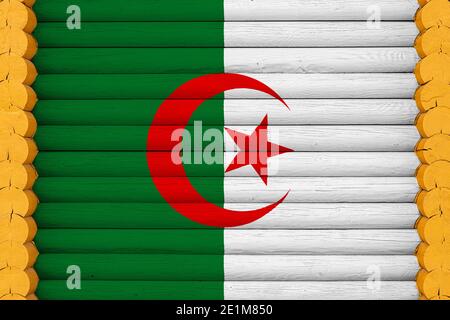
[201, 89]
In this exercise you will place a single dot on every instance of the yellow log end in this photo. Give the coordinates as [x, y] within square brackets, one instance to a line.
[434, 202]
[433, 230]
[434, 148]
[433, 284]
[16, 94]
[19, 122]
[18, 255]
[15, 228]
[17, 69]
[19, 282]
[14, 13]
[17, 175]
[20, 202]
[436, 66]
[16, 148]
[433, 40]
[435, 175]
[434, 121]
[434, 257]
[432, 94]
[433, 13]
[18, 42]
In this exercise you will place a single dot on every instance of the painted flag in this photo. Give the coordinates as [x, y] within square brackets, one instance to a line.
[333, 158]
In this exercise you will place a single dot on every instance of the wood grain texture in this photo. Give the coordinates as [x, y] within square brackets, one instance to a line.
[321, 164]
[234, 10]
[333, 216]
[295, 86]
[228, 241]
[320, 111]
[237, 60]
[249, 10]
[131, 290]
[234, 290]
[236, 112]
[143, 267]
[299, 138]
[340, 86]
[336, 189]
[228, 34]
[164, 267]
[138, 60]
[126, 241]
[337, 138]
[115, 215]
[235, 189]
[142, 10]
[321, 242]
[319, 60]
[333, 164]
[320, 290]
[318, 34]
[318, 268]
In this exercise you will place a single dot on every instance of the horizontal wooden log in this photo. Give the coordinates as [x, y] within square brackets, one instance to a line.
[318, 34]
[319, 60]
[335, 242]
[236, 60]
[231, 267]
[233, 290]
[230, 10]
[111, 215]
[131, 290]
[310, 164]
[236, 112]
[156, 10]
[318, 268]
[333, 216]
[323, 86]
[228, 34]
[139, 60]
[336, 189]
[318, 10]
[237, 189]
[230, 241]
[120, 112]
[121, 241]
[369, 242]
[160, 267]
[320, 290]
[285, 216]
[299, 138]
[295, 86]
[333, 164]
[117, 189]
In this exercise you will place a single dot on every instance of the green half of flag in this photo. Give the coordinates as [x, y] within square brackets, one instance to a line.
[100, 213]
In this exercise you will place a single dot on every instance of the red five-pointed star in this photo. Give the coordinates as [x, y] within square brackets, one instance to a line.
[258, 141]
